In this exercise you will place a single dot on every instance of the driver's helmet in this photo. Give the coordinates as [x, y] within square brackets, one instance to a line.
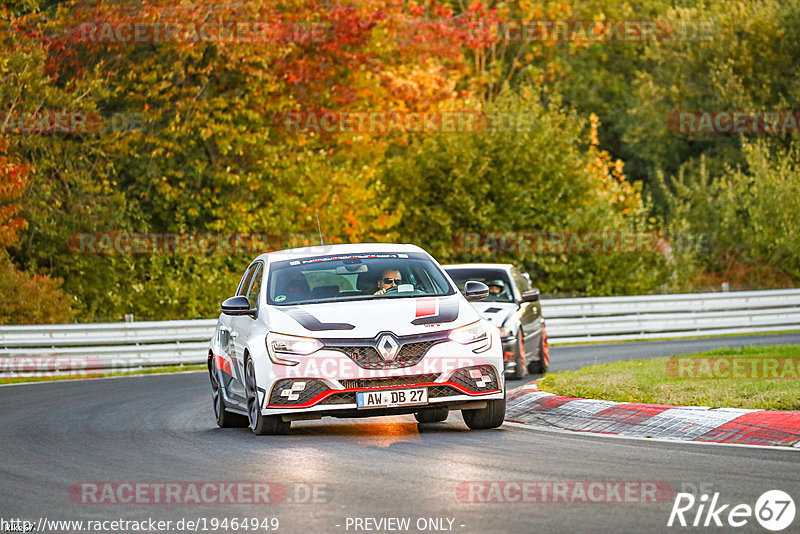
[498, 285]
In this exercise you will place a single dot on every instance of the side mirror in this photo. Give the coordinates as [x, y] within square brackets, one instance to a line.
[530, 296]
[476, 290]
[238, 305]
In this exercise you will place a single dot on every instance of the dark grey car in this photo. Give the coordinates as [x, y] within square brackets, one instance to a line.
[513, 306]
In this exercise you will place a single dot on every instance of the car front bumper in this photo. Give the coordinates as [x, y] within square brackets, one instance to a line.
[463, 388]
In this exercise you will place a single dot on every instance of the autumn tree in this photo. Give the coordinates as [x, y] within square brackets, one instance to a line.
[24, 298]
[213, 153]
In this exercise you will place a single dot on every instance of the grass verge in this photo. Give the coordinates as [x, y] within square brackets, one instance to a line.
[146, 371]
[760, 378]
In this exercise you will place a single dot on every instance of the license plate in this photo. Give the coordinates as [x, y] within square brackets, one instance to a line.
[391, 398]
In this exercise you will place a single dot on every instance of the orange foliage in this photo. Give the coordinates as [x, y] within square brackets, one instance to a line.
[610, 174]
[13, 179]
[741, 275]
[31, 299]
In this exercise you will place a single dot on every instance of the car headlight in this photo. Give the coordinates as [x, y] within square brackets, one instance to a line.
[473, 333]
[505, 332]
[279, 344]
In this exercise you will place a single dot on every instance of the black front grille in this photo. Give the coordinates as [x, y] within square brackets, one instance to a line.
[365, 354]
[435, 392]
[311, 390]
[368, 357]
[388, 382]
[485, 381]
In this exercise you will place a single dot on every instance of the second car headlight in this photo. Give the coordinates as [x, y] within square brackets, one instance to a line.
[294, 345]
[473, 333]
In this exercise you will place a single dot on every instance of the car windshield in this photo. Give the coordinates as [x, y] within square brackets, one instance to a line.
[497, 280]
[355, 277]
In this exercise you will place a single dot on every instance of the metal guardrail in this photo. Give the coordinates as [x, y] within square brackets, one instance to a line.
[48, 349]
[584, 320]
[70, 349]
[81, 335]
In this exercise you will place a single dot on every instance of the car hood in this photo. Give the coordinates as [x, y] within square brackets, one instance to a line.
[495, 312]
[367, 318]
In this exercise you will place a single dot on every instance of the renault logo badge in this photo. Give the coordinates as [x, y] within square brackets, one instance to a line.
[388, 347]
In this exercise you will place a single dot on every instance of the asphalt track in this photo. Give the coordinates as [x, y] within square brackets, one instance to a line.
[161, 429]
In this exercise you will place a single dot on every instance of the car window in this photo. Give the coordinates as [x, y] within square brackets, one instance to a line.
[255, 287]
[244, 285]
[329, 277]
[355, 277]
[522, 282]
[500, 289]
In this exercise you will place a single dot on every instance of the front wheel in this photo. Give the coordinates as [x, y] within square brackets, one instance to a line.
[260, 424]
[490, 417]
[539, 367]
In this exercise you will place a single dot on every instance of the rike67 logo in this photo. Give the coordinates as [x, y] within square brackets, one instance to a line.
[774, 510]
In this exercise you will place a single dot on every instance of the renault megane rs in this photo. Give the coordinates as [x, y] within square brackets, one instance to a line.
[353, 331]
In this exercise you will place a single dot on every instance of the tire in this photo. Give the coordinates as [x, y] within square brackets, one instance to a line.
[431, 415]
[260, 424]
[490, 417]
[539, 367]
[225, 419]
[519, 368]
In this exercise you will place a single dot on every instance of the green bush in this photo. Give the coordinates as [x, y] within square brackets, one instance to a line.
[540, 176]
[751, 212]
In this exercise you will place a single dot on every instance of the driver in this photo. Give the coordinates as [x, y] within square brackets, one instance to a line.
[389, 279]
[496, 287]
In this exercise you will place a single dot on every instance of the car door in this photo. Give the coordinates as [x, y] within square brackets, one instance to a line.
[529, 314]
[246, 323]
[241, 326]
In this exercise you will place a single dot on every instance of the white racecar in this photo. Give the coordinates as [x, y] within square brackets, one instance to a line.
[353, 331]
